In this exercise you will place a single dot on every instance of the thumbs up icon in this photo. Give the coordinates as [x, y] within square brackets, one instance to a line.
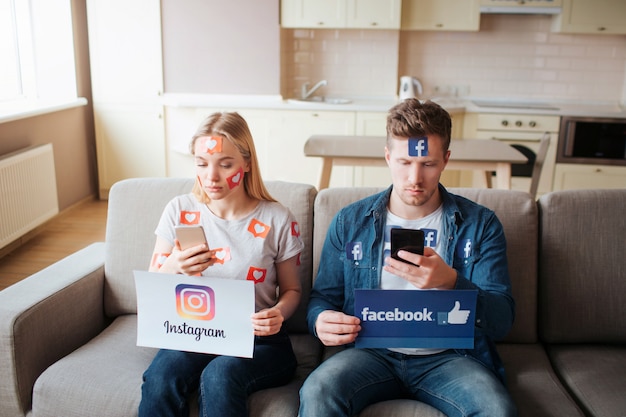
[458, 316]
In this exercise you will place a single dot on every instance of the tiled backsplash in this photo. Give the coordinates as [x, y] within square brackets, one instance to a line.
[514, 56]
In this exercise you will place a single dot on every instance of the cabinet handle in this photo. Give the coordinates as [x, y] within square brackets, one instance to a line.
[439, 25]
[598, 169]
[374, 24]
[601, 29]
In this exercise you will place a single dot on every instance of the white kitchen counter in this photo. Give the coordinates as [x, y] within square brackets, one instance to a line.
[360, 104]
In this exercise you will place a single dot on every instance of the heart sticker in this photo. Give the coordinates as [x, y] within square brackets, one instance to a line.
[222, 255]
[258, 228]
[256, 274]
[235, 179]
[189, 217]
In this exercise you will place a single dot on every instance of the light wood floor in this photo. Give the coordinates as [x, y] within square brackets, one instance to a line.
[71, 230]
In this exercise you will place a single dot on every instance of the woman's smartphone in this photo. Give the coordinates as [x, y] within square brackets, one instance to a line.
[410, 240]
[189, 236]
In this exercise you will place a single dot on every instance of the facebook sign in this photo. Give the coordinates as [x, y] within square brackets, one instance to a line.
[441, 319]
[354, 251]
[418, 146]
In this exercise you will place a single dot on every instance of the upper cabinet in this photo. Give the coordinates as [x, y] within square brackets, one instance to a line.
[591, 16]
[341, 14]
[461, 15]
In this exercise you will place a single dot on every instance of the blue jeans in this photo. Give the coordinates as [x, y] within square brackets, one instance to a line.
[224, 382]
[352, 379]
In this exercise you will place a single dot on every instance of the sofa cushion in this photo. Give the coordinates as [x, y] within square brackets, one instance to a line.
[102, 378]
[533, 384]
[135, 207]
[595, 375]
[582, 267]
[108, 371]
[516, 211]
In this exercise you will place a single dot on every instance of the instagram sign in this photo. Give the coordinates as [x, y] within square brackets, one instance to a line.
[195, 302]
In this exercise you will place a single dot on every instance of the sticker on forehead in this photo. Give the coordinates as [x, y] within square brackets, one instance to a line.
[211, 144]
[418, 146]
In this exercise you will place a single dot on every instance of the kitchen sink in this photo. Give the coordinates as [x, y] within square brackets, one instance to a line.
[320, 99]
[515, 104]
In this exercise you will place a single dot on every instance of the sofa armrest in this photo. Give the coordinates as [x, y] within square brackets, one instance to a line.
[46, 316]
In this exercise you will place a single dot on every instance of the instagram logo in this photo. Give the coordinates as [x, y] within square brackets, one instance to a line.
[195, 302]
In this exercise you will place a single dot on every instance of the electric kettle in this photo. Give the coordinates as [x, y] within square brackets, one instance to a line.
[410, 87]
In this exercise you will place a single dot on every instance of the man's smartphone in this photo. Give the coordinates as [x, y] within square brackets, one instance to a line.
[410, 240]
[189, 236]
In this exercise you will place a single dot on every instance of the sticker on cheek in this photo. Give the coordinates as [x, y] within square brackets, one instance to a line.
[418, 146]
[236, 179]
[211, 144]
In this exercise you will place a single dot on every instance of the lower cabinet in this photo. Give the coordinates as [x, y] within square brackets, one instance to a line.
[581, 176]
[284, 153]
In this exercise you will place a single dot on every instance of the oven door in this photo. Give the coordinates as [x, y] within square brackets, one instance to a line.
[528, 144]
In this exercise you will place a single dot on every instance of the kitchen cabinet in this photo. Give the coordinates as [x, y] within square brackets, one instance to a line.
[374, 14]
[372, 124]
[452, 15]
[582, 176]
[591, 16]
[341, 14]
[127, 81]
[285, 153]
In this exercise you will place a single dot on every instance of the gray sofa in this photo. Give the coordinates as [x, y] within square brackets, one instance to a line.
[68, 333]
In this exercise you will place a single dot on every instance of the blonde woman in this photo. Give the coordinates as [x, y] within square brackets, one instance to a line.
[251, 236]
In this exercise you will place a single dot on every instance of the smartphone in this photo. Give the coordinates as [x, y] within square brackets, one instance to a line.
[410, 240]
[190, 236]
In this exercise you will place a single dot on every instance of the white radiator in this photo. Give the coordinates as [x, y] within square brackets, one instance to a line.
[28, 191]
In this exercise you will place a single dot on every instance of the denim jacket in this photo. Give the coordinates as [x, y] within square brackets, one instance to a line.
[481, 265]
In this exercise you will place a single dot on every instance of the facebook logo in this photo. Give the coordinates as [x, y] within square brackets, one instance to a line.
[354, 251]
[464, 248]
[418, 146]
[430, 237]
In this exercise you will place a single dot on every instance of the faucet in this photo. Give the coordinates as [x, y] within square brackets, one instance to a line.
[306, 94]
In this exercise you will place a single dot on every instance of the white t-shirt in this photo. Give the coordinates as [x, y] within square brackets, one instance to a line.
[431, 225]
[248, 248]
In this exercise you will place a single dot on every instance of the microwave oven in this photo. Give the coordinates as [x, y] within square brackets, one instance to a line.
[592, 140]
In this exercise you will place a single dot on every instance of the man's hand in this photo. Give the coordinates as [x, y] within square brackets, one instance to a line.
[335, 328]
[432, 272]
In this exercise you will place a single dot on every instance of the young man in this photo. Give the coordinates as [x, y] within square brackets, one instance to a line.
[469, 252]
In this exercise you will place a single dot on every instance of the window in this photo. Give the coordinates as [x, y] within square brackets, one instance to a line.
[37, 49]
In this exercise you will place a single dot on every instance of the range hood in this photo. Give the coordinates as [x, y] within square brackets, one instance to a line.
[521, 6]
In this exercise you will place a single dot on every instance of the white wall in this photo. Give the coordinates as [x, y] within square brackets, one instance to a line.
[514, 56]
[221, 47]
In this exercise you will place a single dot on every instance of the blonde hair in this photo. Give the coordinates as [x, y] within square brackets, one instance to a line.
[232, 127]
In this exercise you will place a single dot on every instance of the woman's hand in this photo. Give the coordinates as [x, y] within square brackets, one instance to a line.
[191, 261]
[267, 321]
